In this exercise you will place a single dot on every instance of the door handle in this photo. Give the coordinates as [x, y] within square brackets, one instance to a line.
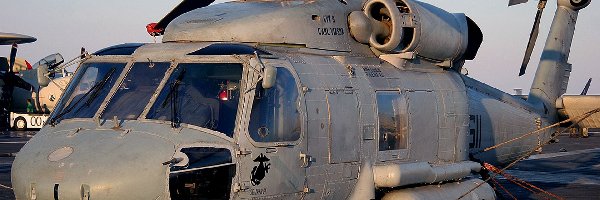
[306, 159]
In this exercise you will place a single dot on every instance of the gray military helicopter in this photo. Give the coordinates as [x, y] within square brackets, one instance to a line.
[320, 99]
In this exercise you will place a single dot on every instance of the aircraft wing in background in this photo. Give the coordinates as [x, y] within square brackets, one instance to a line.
[576, 105]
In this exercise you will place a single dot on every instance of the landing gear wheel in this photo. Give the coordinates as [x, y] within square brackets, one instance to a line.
[20, 124]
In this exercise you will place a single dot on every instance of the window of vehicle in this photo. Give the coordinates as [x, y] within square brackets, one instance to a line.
[201, 94]
[393, 121]
[207, 175]
[94, 81]
[135, 91]
[275, 115]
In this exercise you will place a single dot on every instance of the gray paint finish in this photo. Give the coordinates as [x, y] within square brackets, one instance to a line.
[450, 117]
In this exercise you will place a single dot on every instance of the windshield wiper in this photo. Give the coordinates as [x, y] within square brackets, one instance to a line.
[172, 97]
[94, 91]
[94, 95]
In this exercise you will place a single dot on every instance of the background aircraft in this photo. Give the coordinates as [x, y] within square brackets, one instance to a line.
[19, 84]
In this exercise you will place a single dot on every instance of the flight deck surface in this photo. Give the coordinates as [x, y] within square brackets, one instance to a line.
[573, 173]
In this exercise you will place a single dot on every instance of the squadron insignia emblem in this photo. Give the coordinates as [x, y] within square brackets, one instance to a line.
[259, 172]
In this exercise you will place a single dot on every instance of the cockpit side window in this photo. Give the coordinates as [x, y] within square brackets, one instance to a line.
[207, 174]
[87, 94]
[393, 120]
[275, 114]
[201, 94]
[135, 91]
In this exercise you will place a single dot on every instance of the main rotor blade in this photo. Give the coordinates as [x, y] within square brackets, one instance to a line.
[532, 37]
[11, 38]
[13, 57]
[515, 2]
[183, 7]
[587, 87]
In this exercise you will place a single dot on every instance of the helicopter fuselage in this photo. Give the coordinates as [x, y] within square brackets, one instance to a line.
[307, 136]
[307, 103]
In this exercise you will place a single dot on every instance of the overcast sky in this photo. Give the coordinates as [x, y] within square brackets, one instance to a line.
[64, 26]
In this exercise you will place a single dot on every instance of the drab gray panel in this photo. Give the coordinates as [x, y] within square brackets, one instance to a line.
[423, 122]
[343, 127]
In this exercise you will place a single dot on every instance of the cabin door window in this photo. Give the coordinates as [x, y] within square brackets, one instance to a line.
[392, 114]
[275, 115]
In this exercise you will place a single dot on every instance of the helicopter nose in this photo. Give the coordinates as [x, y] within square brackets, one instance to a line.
[92, 164]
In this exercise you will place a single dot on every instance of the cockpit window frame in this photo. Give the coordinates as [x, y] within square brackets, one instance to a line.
[114, 89]
[232, 59]
[125, 59]
[174, 63]
[133, 64]
[130, 60]
[197, 97]
[143, 115]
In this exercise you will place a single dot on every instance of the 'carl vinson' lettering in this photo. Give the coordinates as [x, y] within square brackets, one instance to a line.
[330, 31]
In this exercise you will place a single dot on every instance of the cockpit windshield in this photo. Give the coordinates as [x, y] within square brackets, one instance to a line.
[200, 94]
[89, 91]
[135, 91]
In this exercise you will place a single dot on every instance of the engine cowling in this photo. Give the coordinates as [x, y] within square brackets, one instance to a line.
[399, 26]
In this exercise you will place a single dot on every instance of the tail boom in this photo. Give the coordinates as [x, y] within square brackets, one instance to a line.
[552, 76]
